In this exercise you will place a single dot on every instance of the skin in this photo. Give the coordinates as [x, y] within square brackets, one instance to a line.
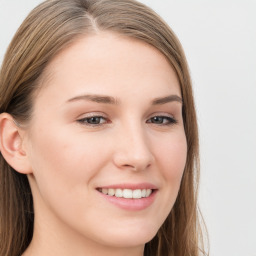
[69, 159]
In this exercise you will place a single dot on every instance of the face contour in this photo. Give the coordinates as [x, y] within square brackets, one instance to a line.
[107, 120]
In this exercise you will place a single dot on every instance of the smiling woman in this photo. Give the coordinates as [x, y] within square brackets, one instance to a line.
[98, 135]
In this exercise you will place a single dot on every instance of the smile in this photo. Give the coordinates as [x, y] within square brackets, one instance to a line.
[126, 193]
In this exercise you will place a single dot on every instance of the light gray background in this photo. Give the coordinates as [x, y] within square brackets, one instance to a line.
[219, 38]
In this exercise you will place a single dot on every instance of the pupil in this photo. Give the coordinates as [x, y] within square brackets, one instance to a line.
[95, 120]
[158, 119]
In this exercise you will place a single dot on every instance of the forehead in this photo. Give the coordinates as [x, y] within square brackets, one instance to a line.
[96, 61]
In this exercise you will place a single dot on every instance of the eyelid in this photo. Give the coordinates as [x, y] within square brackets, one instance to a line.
[91, 114]
[163, 114]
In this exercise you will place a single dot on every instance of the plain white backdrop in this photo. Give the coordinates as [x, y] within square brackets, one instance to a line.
[219, 39]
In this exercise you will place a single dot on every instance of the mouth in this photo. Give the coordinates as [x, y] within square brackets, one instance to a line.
[131, 197]
[126, 193]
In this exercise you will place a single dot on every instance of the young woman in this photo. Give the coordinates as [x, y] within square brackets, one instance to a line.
[98, 135]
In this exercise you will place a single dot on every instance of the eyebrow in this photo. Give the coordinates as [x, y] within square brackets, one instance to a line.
[167, 99]
[96, 98]
[111, 100]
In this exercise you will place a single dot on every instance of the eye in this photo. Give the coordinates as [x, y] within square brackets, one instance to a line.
[93, 120]
[162, 120]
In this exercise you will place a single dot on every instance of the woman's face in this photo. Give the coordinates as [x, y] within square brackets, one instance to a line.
[108, 119]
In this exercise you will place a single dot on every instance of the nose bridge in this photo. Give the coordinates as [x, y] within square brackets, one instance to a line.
[134, 147]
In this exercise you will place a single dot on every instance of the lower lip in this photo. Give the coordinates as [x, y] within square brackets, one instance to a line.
[131, 204]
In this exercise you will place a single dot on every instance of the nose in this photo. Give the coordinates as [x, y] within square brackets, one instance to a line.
[133, 150]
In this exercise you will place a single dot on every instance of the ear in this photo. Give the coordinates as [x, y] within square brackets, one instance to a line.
[11, 144]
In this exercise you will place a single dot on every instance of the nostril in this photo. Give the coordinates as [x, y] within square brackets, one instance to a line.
[130, 166]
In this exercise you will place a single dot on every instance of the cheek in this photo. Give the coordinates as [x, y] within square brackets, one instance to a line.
[172, 156]
[62, 161]
[64, 167]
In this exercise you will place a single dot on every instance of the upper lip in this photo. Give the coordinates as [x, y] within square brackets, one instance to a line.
[130, 186]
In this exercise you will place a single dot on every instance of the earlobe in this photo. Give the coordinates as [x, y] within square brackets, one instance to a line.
[11, 144]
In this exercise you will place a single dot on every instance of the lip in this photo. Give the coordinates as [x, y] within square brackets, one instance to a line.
[131, 204]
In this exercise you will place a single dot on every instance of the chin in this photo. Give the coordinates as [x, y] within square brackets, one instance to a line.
[128, 238]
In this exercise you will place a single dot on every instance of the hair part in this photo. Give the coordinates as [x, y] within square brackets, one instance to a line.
[51, 27]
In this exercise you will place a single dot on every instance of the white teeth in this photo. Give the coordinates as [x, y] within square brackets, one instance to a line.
[127, 193]
[143, 192]
[136, 193]
[119, 193]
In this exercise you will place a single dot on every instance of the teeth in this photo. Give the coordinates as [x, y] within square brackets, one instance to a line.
[111, 192]
[104, 191]
[127, 193]
[119, 193]
[148, 192]
[136, 193]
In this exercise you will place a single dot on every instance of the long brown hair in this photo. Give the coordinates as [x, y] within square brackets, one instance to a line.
[48, 29]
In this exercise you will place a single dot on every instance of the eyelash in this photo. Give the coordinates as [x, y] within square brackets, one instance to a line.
[96, 120]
